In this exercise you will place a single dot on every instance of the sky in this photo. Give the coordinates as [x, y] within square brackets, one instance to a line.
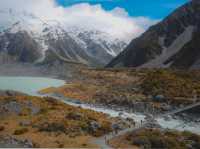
[155, 9]
[123, 19]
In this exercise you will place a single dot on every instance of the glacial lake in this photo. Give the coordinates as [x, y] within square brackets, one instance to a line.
[28, 85]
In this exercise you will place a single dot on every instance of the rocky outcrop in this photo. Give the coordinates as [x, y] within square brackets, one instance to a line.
[11, 93]
[19, 47]
[11, 142]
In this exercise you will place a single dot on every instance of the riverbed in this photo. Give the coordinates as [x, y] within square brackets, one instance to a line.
[31, 86]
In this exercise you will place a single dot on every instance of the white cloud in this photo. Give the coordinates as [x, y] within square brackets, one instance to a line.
[116, 22]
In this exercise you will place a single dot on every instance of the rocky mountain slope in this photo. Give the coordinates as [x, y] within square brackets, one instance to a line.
[28, 39]
[174, 42]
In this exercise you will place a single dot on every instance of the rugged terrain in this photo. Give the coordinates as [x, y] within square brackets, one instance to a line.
[174, 42]
[25, 38]
[45, 122]
[141, 89]
[157, 138]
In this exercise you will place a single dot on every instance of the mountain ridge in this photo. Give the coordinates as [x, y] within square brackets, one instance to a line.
[71, 44]
[156, 47]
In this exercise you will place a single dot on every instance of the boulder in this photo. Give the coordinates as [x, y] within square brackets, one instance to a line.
[94, 126]
[142, 142]
[159, 98]
[74, 116]
[25, 123]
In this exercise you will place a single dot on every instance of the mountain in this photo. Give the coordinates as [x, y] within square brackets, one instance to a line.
[25, 38]
[172, 43]
[100, 45]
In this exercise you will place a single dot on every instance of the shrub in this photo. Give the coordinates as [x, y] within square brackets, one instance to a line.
[142, 141]
[157, 142]
[20, 131]
[53, 127]
[2, 128]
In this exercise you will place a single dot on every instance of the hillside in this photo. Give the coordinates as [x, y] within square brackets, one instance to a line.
[174, 42]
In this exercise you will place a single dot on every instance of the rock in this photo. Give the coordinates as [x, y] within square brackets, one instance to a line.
[118, 126]
[149, 117]
[17, 108]
[34, 110]
[94, 126]
[52, 127]
[166, 118]
[152, 124]
[10, 142]
[166, 107]
[159, 98]
[25, 123]
[27, 143]
[10, 93]
[130, 120]
[13, 107]
[142, 141]
[181, 106]
[189, 146]
[74, 116]
[121, 114]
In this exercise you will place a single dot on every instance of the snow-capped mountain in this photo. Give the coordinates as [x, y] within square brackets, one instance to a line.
[26, 38]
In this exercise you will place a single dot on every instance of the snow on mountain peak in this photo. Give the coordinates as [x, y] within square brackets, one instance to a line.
[93, 42]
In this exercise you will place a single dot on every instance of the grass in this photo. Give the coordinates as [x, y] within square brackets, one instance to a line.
[156, 138]
[20, 131]
[172, 84]
[52, 122]
[124, 86]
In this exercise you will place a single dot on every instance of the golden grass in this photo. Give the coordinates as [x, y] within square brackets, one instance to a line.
[51, 127]
[155, 138]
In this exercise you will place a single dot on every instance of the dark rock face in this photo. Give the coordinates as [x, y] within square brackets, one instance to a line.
[189, 55]
[174, 42]
[65, 47]
[11, 93]
[19, 47]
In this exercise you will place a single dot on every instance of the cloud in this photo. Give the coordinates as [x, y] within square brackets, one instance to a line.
[116, 22]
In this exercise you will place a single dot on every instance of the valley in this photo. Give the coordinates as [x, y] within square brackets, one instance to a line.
[133, 106]
[158, 88]
[67, 83]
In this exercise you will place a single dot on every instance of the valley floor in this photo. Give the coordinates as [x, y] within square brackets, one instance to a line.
[154, 91]
[46, 122]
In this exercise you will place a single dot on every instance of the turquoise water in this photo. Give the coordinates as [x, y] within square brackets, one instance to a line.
[28, 85]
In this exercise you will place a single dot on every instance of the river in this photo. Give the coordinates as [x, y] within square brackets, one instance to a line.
[31, 86]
